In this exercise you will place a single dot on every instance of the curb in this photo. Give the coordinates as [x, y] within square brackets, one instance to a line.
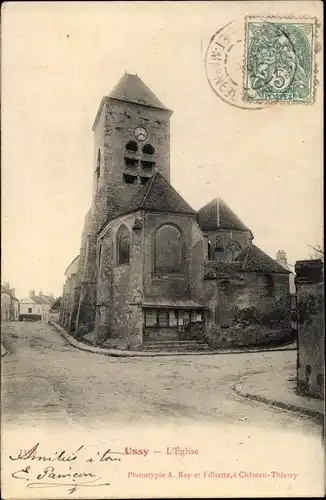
[314, 414]
[137, 354]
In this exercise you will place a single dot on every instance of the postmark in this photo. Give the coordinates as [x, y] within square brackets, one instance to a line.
[224, 61]
[279, 63]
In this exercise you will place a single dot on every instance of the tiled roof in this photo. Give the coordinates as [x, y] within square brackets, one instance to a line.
[220, 269]
[253, 258]
[159, 195]
[131, 88]
[217, 215]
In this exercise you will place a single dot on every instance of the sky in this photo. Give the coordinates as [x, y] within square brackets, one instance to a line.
[60, 58]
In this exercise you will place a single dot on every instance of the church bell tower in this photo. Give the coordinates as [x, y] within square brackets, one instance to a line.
[131, 142]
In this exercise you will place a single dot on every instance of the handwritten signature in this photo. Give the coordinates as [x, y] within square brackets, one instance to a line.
[49, 473]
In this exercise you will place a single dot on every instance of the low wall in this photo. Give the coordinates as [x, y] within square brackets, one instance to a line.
[248, 337]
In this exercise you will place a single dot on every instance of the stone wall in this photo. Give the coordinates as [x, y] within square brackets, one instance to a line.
[119, 290]
[239, 316]
[74, 299]
[311, 333]
[250, 336]
[187, 285]
[68, 295]
[122, 288]
[116, 128]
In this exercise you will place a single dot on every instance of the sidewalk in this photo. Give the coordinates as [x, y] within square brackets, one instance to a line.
[121, 353]
[278, 388]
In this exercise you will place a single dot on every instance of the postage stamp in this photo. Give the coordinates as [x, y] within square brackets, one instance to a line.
[279, 64]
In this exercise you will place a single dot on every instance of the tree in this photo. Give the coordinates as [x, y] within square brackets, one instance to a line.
[316, 251]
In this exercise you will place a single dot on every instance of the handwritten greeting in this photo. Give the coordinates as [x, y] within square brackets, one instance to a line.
[50, 477]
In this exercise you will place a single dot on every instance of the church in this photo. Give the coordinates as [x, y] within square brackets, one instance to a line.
[152, 272]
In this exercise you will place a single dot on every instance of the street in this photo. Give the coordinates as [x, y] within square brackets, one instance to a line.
[58, 399]
[44, 376]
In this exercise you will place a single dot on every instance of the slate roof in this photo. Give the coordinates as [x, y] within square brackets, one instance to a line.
[131, 88]
[158, 195]
[253, 258]
[217, 215]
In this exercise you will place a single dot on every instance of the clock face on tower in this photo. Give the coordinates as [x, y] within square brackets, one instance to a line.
[141, 134]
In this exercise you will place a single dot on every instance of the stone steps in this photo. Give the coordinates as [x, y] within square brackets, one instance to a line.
[175, 345]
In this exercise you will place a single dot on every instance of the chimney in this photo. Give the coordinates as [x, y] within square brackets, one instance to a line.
[281, 257]
[31, 293]
[13, 293]
[6, 286]
[40, 293]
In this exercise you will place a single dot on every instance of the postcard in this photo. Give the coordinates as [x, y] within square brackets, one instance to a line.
[162, 328]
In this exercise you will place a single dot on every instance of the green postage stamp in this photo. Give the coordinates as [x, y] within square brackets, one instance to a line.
[279, 60]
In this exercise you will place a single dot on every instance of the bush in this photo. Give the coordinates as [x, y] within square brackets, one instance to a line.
[197, 331]
[247, 316]
[278, 315]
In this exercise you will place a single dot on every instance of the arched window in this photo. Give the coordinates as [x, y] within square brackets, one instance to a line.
[132, 146]
[123, 245]
[148, 149]
[168, 250]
